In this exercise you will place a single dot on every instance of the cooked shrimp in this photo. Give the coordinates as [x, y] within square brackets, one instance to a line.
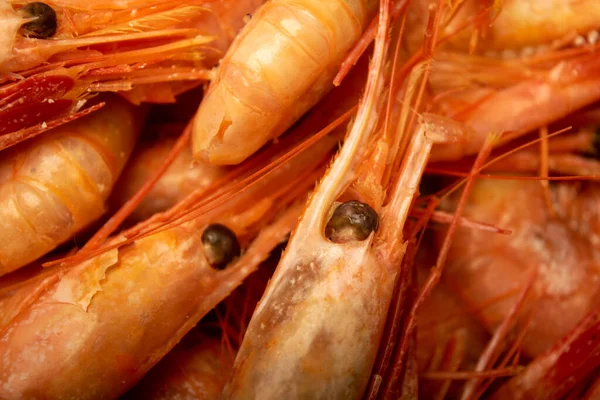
[148, 51]
[182, 178]
[568, 154]
[515, 105]
[509, 95]
[316, 331]
[562, 250]
[560, 372]
[68, 342]
[531, 26]
[196, 369]
[512, 28]
[69, 25]
[279, 66]
[53, 186]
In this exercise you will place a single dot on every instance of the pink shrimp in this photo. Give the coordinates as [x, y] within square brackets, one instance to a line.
[254, 98]
[181, 179]
[148, 51]
[513, 94]
[561, 249]
[196, 369]
[167, 280]
[53, 186]
[316, 331]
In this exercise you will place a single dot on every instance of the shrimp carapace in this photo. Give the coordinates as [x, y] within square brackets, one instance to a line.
[279, 66]
[53, 186]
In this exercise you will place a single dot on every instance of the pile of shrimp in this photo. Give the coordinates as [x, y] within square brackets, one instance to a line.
[300, 199]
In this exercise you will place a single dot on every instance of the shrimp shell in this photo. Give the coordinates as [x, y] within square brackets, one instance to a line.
[53, 186]
[182, 178]
[261, 90]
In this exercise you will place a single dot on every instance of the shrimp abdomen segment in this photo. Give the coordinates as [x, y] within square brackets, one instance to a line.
[281, 64]
[54, 186]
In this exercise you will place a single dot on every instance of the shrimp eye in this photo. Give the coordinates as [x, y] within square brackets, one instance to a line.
[44, 24]
[351, 221]
[220, 245]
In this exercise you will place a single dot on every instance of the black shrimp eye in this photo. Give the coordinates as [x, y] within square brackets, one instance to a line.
[44, 24]
[220, 245]
[351, 221]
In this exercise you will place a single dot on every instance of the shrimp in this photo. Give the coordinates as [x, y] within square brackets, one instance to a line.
[316, 331]
[148, 51]
[197, 368]
[54, 186]
[68, 342]
[559, 372]
[568, 154]
[561, 249]
[253, 98]
[540, 97]
[514, 94]
[511, 28]
[181, 179]
[531, 26]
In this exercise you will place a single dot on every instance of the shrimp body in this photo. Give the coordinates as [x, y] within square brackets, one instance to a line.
[526, 25]
[522, 106]
[76, 326]
[93, 23]
[53, 186]
[148, 51]
[279, 66]
[512, 28]
[315, 333]
[182, 178]
[188, 373]
[155, 289]
[491, 269]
